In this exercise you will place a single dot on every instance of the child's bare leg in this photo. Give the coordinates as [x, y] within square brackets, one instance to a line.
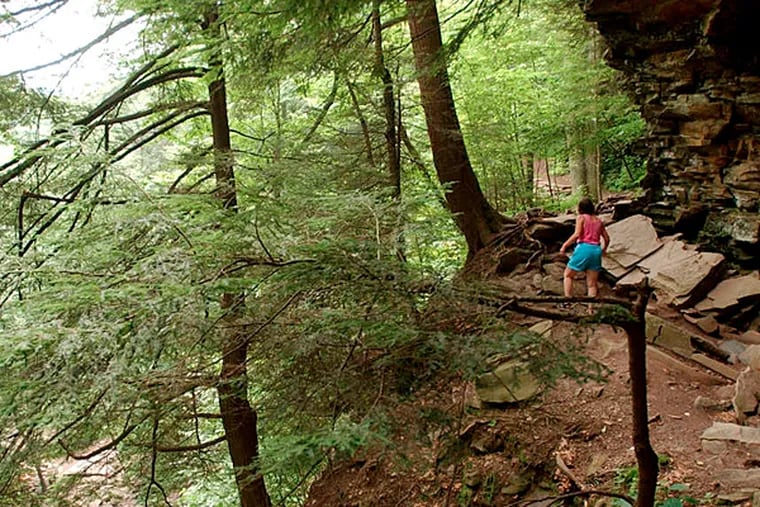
[592, 283]
[568, 282]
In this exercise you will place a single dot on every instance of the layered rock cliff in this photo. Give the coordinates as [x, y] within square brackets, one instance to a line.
[694, 68]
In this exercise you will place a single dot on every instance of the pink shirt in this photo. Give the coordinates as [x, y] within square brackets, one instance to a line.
[592, 230]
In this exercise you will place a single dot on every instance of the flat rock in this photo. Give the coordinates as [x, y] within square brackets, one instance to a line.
[665, 334]
[707, 324]
[716, 366]
[739, 478]
[542, 328]
[509, 382]
[705, 403]
[631, 240]
[730, 293]
[678, 272]
[737, 497]
[732, 432]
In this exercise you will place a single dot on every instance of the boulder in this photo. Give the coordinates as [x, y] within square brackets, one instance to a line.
[509, 382]
[746, 394]
[734, 348]
[751, 357]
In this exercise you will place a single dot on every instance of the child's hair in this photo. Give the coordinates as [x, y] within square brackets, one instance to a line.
[586, 206]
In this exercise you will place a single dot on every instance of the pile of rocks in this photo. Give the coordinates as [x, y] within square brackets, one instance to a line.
[704, 312]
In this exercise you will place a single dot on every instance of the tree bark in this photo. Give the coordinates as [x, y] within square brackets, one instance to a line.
[464, 198]
[362, 123]
[577, 162]
[389, 106]
[238, 417]
[646, 458]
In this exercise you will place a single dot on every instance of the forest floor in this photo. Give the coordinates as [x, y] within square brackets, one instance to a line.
[574, 436]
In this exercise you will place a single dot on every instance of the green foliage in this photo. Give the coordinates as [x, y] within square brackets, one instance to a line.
[522, 89]
[112, 328]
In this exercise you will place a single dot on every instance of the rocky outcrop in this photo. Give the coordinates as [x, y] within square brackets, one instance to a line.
[692, 67]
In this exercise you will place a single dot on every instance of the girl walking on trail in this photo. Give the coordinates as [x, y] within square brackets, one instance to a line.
[587, 256]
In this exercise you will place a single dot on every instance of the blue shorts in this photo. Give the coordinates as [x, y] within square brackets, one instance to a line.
[586, 257]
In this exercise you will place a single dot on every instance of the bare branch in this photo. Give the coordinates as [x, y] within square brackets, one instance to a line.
[82, 416]
[103, 448]
[32, 8]
[111, 30]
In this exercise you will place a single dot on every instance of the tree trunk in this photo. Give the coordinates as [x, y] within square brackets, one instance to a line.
[577, 161]
[473, 214]
[389, 105]
[362, 123]
[646, 458]
[238, 418]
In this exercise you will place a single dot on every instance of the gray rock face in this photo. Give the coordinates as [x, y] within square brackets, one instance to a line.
[690, 67]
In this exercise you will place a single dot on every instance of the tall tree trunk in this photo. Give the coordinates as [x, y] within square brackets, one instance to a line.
[473, 214]
[577, 161]
[238, 417]
[593, 152]
[389, 105]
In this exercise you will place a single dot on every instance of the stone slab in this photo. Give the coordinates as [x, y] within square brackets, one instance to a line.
[686, 369]
[732, 432]
[730, 293]
[631, 240]
[678, 272]
[542, 328]
[509, 382]
[716, 366]
[708, 324]
[739, 478]
[664, 334]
